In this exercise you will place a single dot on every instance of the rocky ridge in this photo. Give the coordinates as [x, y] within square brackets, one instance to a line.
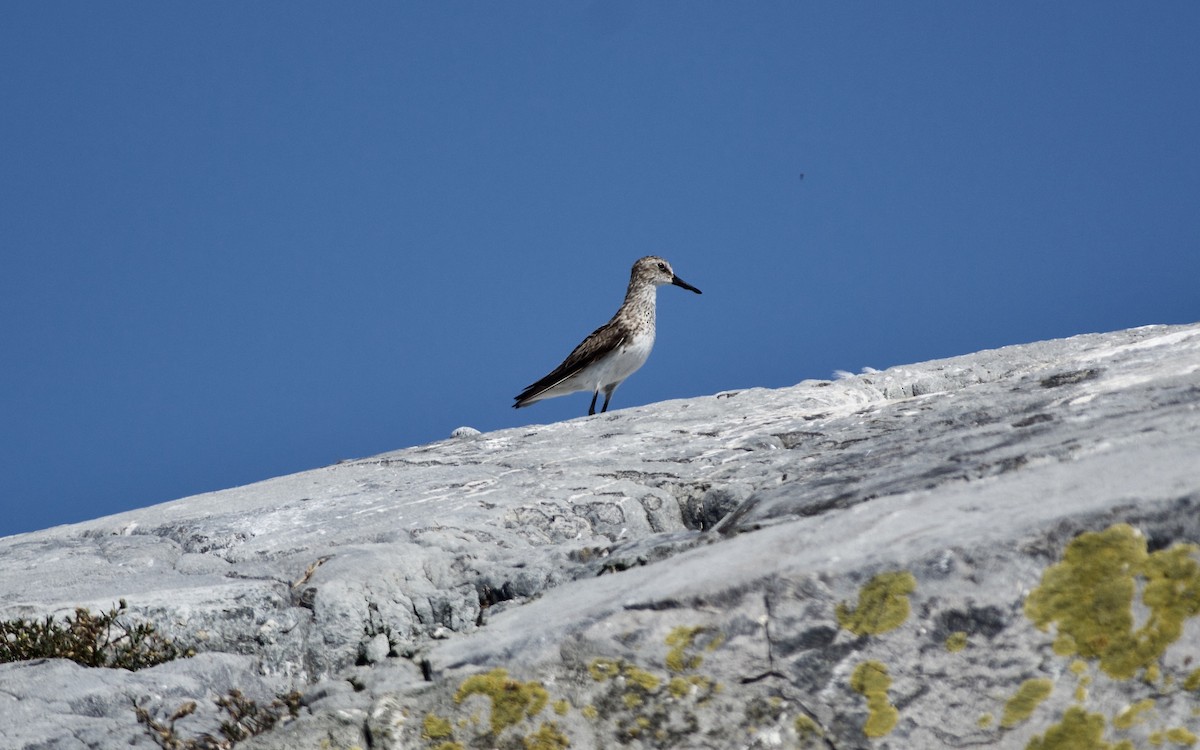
[996, 549]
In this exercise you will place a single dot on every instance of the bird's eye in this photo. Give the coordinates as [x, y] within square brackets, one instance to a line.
[662, 266]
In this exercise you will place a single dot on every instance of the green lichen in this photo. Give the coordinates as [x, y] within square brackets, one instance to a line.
[1079, 668]
[956, 642]
[1025, 700]
[1132, 715]
[985, 721]
[1090, 593]
[1078, 730]
[589, 712]
[1172, 592]
[632, 700]
[1181, 736]
[1192, 682]
[448, 746]
[547, 737]
[681, 640]
[435, 727]
[511, 700]
[679, 687]
[1152, 675]
[1064, 645]
[602, 669]
[872, 681]
[682, 687]
[882, 604]
[561, 707]
[640, 677]
[806, 726]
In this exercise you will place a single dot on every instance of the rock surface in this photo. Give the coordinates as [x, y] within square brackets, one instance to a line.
[986, 550]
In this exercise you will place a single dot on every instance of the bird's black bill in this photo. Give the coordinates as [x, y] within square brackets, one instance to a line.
[680, 282]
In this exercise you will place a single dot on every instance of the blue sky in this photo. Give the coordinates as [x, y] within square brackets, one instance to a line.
[245, 239]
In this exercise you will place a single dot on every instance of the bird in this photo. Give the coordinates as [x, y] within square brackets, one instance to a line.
[615, 350]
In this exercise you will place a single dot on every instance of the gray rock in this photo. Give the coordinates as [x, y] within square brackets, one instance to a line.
[880, 555]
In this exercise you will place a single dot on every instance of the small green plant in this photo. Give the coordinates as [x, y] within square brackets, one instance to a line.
[93, 640]
[246, 719]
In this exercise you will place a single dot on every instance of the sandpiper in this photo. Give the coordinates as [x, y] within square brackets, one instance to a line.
[615, 350]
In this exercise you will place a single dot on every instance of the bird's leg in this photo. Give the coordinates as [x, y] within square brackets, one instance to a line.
[592, 408]
[607, 395]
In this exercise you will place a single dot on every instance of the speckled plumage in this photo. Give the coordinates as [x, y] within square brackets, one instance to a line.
[615, 350]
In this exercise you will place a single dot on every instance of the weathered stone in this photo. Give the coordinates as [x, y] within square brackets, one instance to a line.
[838, 564]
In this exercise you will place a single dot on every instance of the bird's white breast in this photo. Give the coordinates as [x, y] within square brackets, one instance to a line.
[622, 362]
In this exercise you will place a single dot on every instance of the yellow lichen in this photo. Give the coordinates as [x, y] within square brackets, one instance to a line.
[985, 721]
[1078, 730]
[956, 642]
[1172, 592]
[882, 604]
[1025, 700]
[1132, 715]
[680, 641]
[1064, 645]
[547, 737]
[806, 726]
[872, 681]
[681, 687]
[1193, 681]
[632, 700]
[1152, 675]
[589, 712]
[511, 700]
[448, 746]
[1181, 736]
[561, 707]
[602, 669]
[435, 727]
[640, 677]
[1089, 595]
[1079, 667]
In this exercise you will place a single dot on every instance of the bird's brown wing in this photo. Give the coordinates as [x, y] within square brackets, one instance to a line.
[598, 344]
